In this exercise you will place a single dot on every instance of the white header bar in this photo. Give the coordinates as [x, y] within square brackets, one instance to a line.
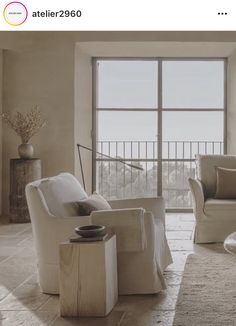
[122, 15]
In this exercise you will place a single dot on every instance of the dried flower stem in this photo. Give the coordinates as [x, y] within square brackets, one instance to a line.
[25, 126]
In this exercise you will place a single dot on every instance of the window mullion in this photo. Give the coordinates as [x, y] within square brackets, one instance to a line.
[159, 129]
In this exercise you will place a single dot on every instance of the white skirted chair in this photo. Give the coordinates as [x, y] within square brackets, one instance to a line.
[215, 218]
[142, 248]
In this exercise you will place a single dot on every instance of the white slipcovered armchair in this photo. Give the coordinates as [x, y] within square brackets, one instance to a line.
[142, 257]
[215, 218]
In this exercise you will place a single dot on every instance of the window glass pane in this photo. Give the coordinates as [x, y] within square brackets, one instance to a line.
[193, 84]
[188, 133]
[129, 126]
[127, 84]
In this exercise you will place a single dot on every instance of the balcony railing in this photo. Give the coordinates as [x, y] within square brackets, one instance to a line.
[115, 180]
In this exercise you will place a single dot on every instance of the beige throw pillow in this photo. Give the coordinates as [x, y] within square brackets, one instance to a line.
[225, 183]
[95, 202]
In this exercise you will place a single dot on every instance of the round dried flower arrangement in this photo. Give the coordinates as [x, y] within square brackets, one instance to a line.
[25, 126]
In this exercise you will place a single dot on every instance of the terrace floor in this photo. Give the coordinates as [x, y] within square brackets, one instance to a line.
[22, 303]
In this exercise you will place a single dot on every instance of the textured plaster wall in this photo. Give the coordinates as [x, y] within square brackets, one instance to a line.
[1, 74]
[41, 74]
[231, 104]
[83, 114]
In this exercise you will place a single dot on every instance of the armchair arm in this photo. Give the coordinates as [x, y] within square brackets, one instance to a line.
[156, 205]
[198, 195]
[127, 224]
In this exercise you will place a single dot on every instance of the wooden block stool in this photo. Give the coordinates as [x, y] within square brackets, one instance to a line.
[88, 278]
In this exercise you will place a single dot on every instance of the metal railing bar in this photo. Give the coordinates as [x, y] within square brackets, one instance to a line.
[131, 170]
[157, 58]
[109, 169]
[168, 171]
[127, 109]
[183, 165]
[164, 141]
[101, 170]
[153, 164]
[146, 160]
[176, 149]
[146, 165]
[163, 110]
[124, 170]
[116, 166]
[193, 109]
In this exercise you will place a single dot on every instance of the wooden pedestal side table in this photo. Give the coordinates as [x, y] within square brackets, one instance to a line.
[88, 278]
[21, 173]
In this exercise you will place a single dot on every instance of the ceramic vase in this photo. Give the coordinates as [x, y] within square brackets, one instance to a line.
[26, 151]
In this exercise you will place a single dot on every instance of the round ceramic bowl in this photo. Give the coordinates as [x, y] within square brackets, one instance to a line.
[89, 231]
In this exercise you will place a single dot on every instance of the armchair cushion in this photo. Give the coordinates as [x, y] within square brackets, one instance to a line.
[226, 183]
[206, 170]
[62, 194]
[216, 205]
[127, 224]
[95, 202]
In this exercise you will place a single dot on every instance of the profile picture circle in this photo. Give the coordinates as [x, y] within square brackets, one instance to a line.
[15, 13]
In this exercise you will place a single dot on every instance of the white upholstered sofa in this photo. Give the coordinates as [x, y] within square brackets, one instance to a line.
[142, 258]
[215, 218]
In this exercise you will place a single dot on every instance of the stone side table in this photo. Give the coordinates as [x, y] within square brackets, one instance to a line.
[88, 278]
[22, 172]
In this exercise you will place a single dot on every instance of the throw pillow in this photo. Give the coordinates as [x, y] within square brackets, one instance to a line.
[95, 202]
[225, 183]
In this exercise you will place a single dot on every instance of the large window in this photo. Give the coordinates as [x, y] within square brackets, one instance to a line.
[156, 114]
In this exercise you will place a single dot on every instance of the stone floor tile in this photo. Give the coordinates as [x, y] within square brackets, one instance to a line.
[179, 226]
[14, 229]
[2, 258]
[26, 318]
[52, 304]
[28, 242]
[27, 232]
[27, 296]
[179, 260]
[4, 291]
[181, 245]
[8, 250]
[14, 273]
[173, 278]
[10, 240]
[179, 235]
[113, 319]
[167, 299]
[187, 217]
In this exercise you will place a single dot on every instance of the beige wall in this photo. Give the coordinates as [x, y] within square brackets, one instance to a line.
[231, 105]
[44, 75]
[1, 74]
[83, 114]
